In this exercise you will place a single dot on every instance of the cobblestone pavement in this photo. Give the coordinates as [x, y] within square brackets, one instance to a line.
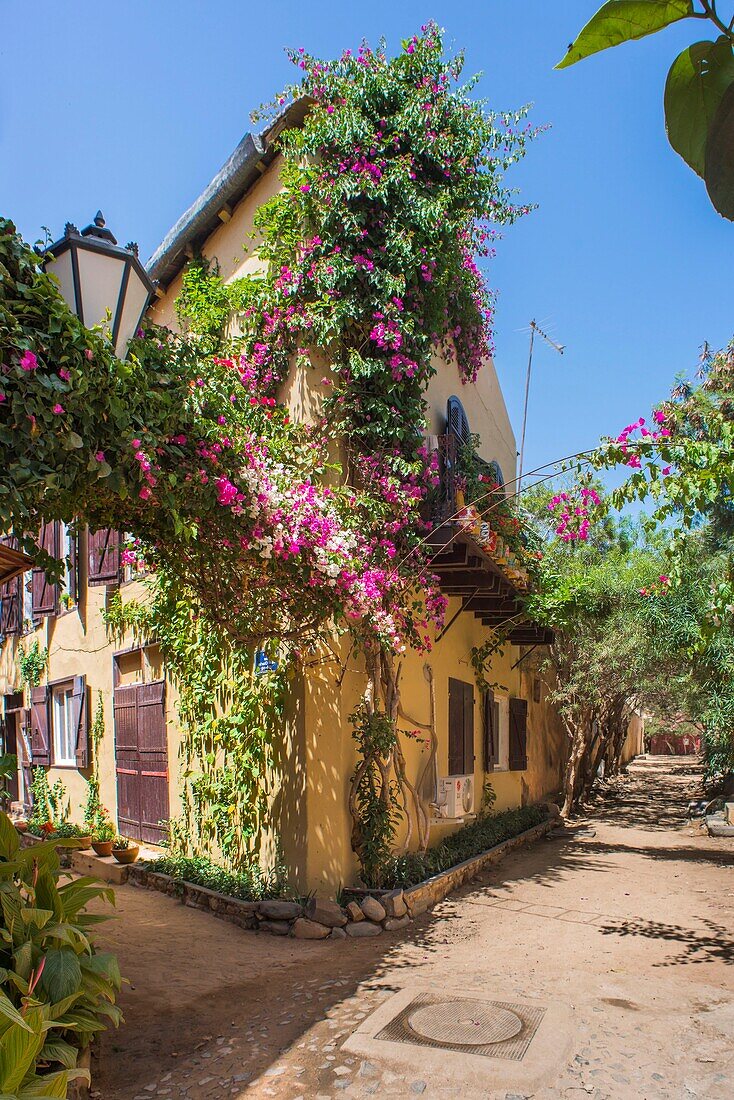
[625, 920]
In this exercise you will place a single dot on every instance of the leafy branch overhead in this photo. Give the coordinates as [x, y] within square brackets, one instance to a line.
[699, 90]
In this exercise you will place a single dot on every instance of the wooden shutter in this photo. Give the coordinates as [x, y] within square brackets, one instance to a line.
[40, 726]
[45, 596]
[11, 607]
[457, 423]
[461, 727]
[11, 600]
[491, 715]
[104, 557]
[518, 735]
[80, 712]
[74, 567]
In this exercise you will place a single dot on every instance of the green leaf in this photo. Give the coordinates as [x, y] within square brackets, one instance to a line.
[39, 917]
[719, 175]
[57, 1050]
[9, 840]
[696, 83]
[8, 1009]
[62, 974]
[19, 1048]
[53, 1086]
[623, 21]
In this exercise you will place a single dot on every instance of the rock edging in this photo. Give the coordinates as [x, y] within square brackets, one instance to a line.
[368, 912]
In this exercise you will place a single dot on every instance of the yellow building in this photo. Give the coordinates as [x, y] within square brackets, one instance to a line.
[510, 737]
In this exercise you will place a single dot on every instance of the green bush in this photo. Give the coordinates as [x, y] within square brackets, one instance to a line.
[251, 884]
[50, 804]
[470, 840]
[56, 991]
[67, 830]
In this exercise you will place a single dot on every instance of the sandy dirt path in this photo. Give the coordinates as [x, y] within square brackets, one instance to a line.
[624, 925]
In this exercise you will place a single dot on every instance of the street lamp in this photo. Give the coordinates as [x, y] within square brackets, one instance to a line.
[101, 282]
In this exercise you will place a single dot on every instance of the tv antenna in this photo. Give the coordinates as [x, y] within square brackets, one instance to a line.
[560, 348]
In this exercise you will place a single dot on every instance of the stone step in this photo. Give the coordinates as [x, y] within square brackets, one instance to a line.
[106, 868]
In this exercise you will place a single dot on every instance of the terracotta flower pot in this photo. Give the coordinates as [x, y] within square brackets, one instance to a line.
[126, 855]
[102, 847]
[85, 843]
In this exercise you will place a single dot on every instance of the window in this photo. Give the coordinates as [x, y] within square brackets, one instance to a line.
[64, 726]
[27, 587]
[461, 728]
[67, 552]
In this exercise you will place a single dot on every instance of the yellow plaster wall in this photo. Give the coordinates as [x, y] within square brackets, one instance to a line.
[331, 757]
[634, 743]
[232, 245]
[78, 644]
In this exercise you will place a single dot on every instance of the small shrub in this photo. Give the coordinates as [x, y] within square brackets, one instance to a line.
[470, 840]
[103, 832]
[250, 884]
[67, 831]
[95, 815]
[50, 804]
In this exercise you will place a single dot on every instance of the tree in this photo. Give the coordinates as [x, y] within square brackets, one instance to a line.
[699, 91]
[611, 655]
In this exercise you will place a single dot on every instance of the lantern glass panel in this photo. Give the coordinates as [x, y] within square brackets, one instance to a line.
[100, 277]
[136, 297]
[60, 266]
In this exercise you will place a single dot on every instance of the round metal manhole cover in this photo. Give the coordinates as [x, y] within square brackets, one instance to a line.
[470, 1023]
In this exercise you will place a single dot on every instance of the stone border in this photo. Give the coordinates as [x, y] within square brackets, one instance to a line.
[29, 840]
[367, 913]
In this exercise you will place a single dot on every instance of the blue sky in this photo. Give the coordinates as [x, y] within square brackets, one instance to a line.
[132, 107]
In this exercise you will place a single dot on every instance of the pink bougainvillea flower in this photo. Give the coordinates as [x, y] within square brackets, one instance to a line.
[65, 374]
[305, 187]
[29, 361]
[658, 416]
[2, 397]
[89, 353]
[145, 493]
[665, 471]
[57, 409]
[99, 456]
[136, 444]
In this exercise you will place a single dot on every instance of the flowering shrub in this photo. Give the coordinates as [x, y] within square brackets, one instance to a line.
[391, 189]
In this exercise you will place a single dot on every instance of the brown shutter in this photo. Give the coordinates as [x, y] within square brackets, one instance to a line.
[461, 727]
[40, 725]
[457, 423]
[518, 735]
[153, 749]
[11, 608]
[45, 596]
[103, 557]
[81, 721]
[11, 600]
[456, 726]
[468, 730]
[74, 567]
[491, 730]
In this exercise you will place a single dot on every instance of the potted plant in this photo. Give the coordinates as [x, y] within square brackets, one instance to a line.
[68, 831]
[102, 838]
[124, 850]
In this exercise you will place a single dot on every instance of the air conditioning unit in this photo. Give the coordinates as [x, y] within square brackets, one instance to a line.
[455, 796]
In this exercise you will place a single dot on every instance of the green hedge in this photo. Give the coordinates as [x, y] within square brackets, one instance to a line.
[470, 840]
[252, 884]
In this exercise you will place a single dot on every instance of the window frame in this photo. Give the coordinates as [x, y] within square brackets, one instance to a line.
[65, 687]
